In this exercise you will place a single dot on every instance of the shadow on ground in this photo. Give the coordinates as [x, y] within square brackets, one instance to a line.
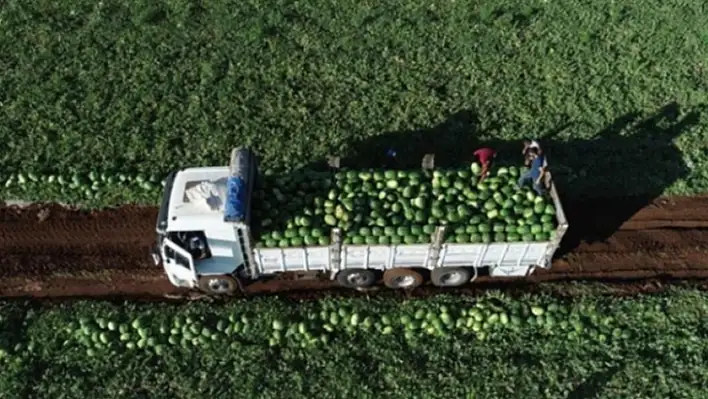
[602, 181]
[592, 386]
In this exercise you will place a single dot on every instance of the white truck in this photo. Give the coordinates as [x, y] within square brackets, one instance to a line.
[204, 242]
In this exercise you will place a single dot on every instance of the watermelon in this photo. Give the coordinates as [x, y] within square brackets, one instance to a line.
[391, 207]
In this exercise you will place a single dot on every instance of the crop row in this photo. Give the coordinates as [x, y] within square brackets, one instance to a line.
[90, 189]
[480, 321]
[319, 324]
[255, 348]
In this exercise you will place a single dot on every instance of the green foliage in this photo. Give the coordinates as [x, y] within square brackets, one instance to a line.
[445, 347]
[146, 87]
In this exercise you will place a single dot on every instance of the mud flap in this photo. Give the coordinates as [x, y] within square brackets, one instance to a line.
[510, 271]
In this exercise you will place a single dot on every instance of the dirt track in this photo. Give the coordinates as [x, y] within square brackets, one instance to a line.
[51, 251]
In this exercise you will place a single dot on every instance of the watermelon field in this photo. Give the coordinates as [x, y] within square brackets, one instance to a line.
[99, 101]
[494, 346]
[134, 90]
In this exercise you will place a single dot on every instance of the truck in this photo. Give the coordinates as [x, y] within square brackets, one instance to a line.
[206, 242]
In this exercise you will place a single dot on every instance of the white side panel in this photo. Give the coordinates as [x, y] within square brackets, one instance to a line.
[384, 256]
[520, 271]
[276, 260]
[560, 230]
[517, 254]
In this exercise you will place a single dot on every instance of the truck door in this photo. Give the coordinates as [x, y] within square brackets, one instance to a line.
[178, 261]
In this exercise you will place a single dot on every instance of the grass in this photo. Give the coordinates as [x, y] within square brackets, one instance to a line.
[145, 86]
[616, 92]
[659, 352]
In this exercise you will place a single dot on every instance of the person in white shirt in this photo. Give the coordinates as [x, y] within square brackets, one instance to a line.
[531, 151]
[528, 145]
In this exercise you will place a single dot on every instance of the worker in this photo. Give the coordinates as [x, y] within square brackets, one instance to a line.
[391, 161]
[485, 157]
[528, 145]
[536, 173]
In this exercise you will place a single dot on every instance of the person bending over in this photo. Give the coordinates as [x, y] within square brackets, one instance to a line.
[485, 157]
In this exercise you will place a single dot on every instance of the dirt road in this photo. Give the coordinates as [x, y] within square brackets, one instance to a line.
[50, 251]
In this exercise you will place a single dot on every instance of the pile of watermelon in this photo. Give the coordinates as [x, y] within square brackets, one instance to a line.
[290, 211]
[384, 207]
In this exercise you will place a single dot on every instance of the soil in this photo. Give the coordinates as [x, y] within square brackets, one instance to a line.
[629, 245]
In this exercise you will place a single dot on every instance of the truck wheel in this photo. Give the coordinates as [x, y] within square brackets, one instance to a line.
[402, 278]
[218, 285]
[356, 278]
[450, 277]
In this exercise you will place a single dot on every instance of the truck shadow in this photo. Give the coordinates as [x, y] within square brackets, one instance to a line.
[603, 181]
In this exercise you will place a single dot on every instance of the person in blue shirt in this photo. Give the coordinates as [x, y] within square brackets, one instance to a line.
[536, 173]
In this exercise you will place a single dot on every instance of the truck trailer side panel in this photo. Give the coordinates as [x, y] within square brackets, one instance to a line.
[382, 257]
[512, 258]
[562, 225]
[277, 260]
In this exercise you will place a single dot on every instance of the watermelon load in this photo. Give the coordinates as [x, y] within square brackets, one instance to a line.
[291, 212]
[384, 207]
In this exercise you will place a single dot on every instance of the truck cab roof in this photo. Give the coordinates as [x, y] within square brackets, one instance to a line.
[181, 208]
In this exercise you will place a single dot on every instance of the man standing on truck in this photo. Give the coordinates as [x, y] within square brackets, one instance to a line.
[485, 157]
[528, 145]
[536, 173]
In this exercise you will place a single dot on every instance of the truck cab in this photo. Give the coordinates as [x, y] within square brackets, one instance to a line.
[200, 239]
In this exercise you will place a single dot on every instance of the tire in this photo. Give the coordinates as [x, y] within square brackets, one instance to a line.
[450, 276]
[402, 279]
[218, 285]
[356, 278]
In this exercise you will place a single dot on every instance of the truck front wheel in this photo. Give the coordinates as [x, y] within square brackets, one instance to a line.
[356, 278]
[218, 285]
[402, 278]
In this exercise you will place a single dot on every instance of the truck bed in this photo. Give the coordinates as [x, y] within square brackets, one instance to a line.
[504, 259]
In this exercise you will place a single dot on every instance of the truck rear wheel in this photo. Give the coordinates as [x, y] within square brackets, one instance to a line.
[402, 278]
[356, 278]
[218, 285]
[450, 277]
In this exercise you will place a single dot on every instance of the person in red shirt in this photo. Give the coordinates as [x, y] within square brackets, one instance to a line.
[485, 157]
